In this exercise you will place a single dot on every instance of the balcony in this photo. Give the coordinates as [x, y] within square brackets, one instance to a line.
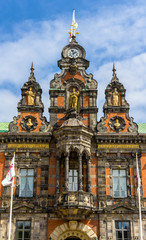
[74, 205]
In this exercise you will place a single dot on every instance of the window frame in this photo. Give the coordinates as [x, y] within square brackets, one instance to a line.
[23, 230]
[122, 229]
[26, 177]
[119, 180]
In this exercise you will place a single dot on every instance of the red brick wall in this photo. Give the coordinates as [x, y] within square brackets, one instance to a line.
[132, 182]
[52, 174]
[143, 173]
[52, 224]
[69, 76]
[107, 173]
[94, 175]
[60, 101]
[38, 181]
[85, 101]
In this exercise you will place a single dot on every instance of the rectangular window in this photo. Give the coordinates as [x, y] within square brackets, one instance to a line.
[26, 183]
[122, 230]
[73, 180]
[23, 230]
[119, 184]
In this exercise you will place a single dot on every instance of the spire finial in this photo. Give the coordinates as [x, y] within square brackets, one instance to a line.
[32, 68]
[73, 31]
[32, 78]
[114, 78]
[114, 70]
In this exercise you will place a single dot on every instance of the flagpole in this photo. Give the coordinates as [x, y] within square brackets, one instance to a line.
[139, 199]
[11, 206]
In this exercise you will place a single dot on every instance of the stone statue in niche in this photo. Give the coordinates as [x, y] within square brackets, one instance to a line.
[30, 97]
[74, 98]
[115, 97]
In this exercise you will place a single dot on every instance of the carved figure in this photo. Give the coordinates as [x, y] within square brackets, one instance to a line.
[30, 97]
[29, 123]
[117, 124]
[74, 98]
[115, 97]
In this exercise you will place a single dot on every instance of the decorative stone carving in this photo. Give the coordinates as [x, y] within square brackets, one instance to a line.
[117, 123]
[133, 126]
[73, 69]
[73, 228]
[72, 198]
[45, 126]
[13, 125]
[29, 123]
[56, 82]
[101, 125]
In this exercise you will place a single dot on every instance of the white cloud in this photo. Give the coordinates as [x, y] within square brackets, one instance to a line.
[114, 35]
[8, 105]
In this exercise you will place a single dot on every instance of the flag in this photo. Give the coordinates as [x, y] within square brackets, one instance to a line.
[9, 179]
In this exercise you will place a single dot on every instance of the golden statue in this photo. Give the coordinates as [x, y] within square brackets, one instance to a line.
[115, 98]
[30, 97]
[29, 123]
[74, 98]
[117, 124]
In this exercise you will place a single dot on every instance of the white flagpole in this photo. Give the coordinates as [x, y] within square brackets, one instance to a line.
[11, 205]
[139, 198]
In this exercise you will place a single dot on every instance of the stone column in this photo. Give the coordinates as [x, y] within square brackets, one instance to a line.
[80, 174]
[58, 175]
[66, 172]
[89, 175]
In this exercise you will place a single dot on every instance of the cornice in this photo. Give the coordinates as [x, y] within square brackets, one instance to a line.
[25, 137]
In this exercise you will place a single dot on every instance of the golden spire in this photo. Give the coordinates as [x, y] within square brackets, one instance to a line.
[73, 30]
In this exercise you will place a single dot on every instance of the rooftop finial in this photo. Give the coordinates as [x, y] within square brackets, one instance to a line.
[114, 70]
[32, 78]
[73, 31]
[32, 68]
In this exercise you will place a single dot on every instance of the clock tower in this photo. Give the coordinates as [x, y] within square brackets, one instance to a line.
[73, 92]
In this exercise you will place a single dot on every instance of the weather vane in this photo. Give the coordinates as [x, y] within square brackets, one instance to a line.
[73, 30]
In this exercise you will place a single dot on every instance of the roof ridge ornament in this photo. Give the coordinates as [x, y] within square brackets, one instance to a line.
[32, 77]
[73, 30]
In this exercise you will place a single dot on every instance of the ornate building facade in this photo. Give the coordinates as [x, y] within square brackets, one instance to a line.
[76, 176]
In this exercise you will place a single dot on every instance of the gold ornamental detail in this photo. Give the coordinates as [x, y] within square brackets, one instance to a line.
[21, 145]
[129, 146]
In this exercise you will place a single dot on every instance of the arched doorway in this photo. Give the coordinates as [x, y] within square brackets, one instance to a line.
[73, 230]
[72, 238]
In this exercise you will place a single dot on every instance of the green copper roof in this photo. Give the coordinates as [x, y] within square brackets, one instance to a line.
[4, 127]
[141, 127]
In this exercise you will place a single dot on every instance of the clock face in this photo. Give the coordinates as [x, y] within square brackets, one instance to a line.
[73, 53]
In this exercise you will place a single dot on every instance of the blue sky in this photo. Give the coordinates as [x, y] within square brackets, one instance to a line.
[110, 31]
